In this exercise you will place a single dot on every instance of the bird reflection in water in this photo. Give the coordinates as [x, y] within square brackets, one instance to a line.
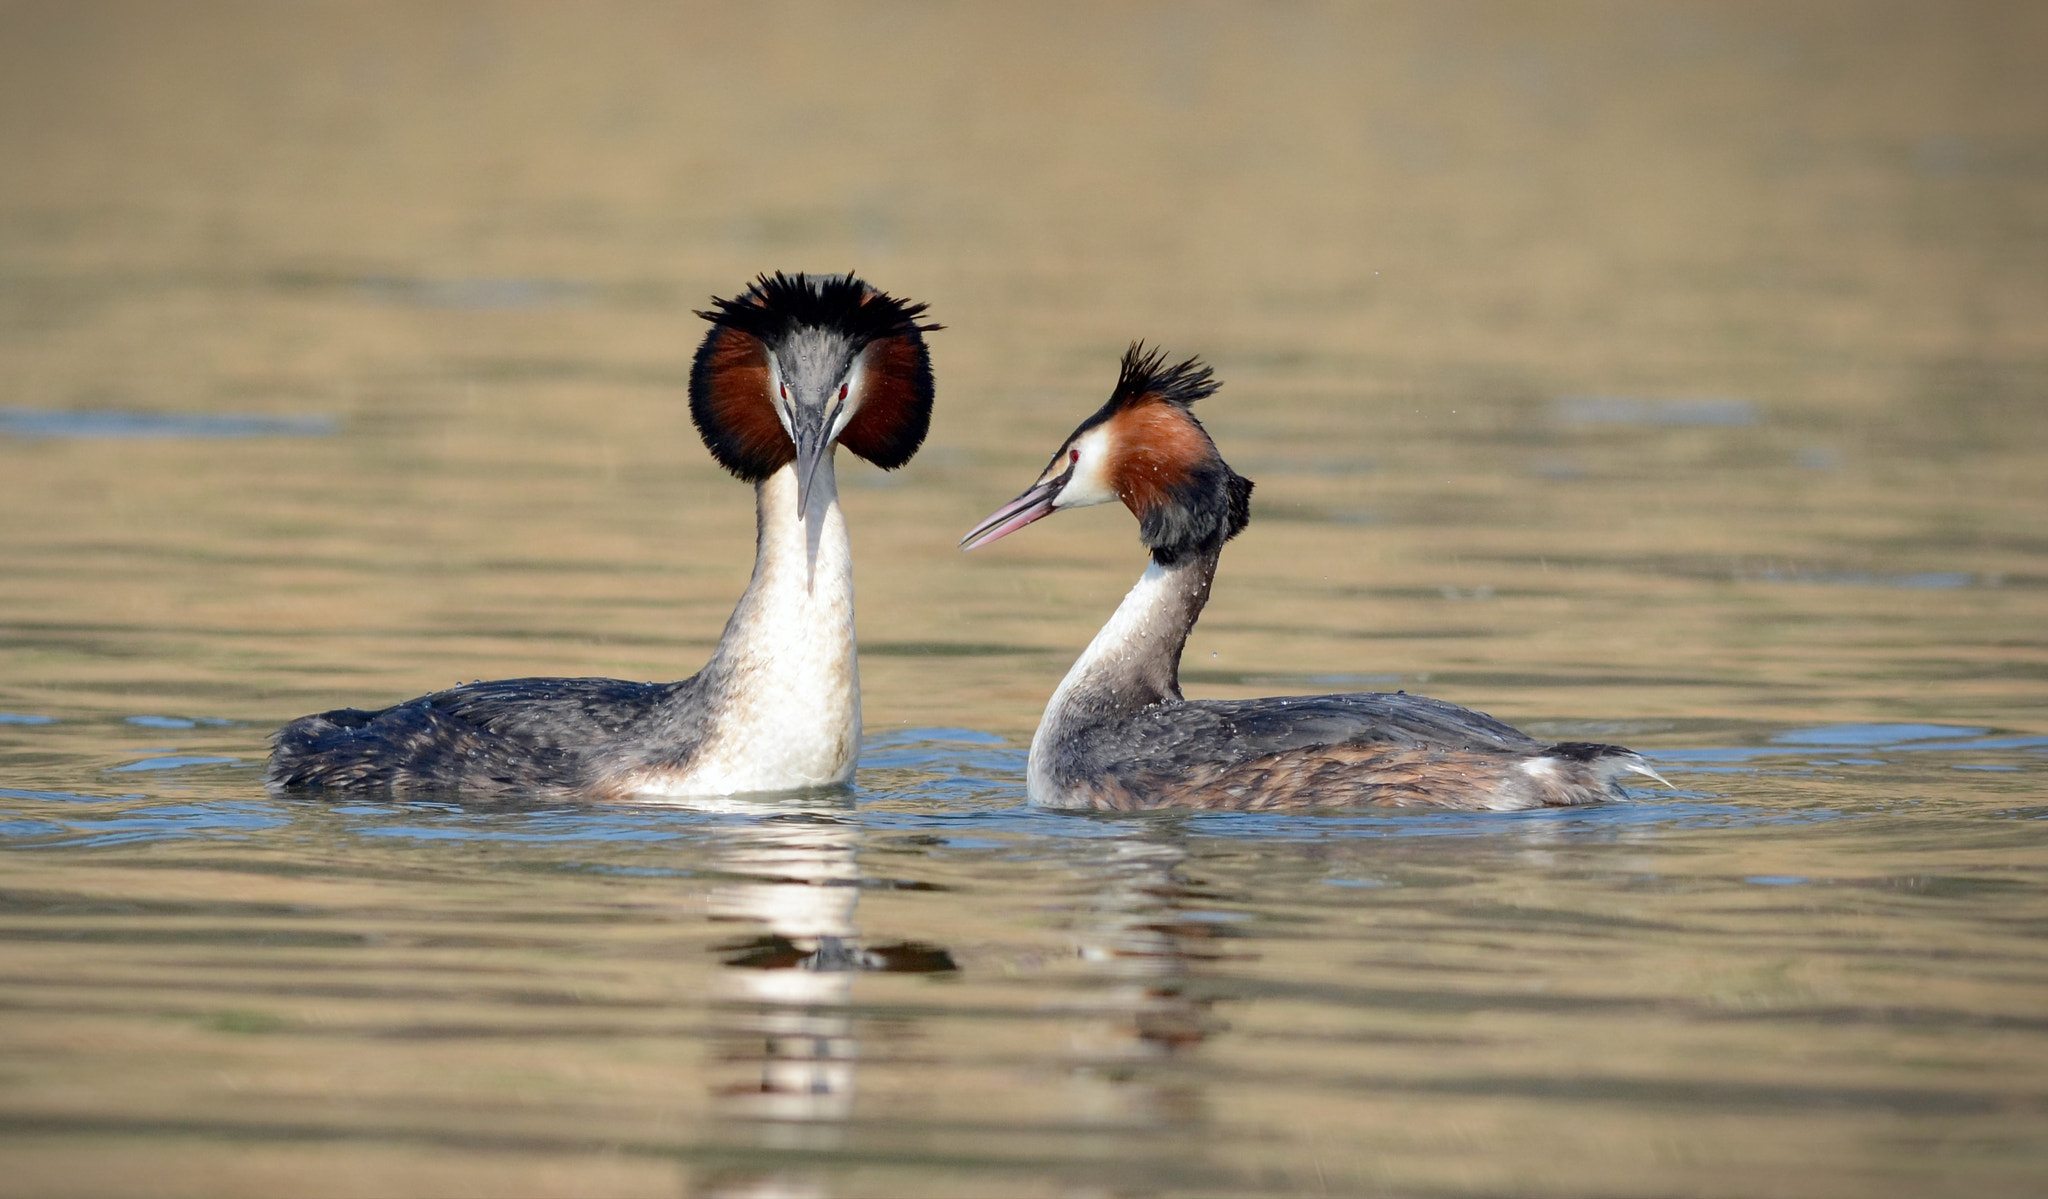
[795, 876]
[1147, 938]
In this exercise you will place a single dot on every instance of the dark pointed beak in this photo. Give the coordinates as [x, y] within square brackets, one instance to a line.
[1034, 504]
[812, 448]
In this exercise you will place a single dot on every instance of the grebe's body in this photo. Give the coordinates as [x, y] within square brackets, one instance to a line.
[791, 368]
[1117, 733]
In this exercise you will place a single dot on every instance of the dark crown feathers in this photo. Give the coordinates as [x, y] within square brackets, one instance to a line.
[1144, 372]
[774, 306]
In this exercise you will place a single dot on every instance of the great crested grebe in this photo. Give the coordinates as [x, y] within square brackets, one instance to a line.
[790, 368]
[1117, 734]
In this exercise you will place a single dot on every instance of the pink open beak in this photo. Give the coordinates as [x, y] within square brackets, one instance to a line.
[1034, 504]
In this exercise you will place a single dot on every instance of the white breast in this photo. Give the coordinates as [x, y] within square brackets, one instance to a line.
[788, 714]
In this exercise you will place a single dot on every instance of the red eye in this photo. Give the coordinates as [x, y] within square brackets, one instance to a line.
[784, 389]
[842, 391]
[1073, 455]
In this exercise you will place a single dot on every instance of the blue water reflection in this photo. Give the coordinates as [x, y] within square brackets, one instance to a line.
[112, 424]
[963, 789]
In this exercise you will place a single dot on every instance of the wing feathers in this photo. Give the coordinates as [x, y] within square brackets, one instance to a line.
[1386, 750]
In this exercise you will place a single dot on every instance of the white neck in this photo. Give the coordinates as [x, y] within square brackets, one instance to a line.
[784, 683]
[1133, 663]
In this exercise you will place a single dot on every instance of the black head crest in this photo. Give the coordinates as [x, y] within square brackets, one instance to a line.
[729, 378]
[1145, 377]
[775, 306]
[1145, 373]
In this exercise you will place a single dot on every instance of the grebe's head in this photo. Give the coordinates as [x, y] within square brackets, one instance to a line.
[1145, 448]
[799, 363]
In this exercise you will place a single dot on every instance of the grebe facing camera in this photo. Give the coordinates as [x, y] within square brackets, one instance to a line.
[791, 368]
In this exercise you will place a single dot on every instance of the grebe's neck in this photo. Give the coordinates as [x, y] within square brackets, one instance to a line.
[783, 688]
[1133, 663]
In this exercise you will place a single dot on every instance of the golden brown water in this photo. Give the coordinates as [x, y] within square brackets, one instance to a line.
[1673, 374]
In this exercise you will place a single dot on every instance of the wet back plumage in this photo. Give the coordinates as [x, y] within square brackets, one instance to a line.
[534, 737]
[1380, 749]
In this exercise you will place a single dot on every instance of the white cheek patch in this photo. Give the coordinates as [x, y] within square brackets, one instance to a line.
[1091, 482]
[855, 383]
[776, 399]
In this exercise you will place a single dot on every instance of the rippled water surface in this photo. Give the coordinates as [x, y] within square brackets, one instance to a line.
[1667, 374]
